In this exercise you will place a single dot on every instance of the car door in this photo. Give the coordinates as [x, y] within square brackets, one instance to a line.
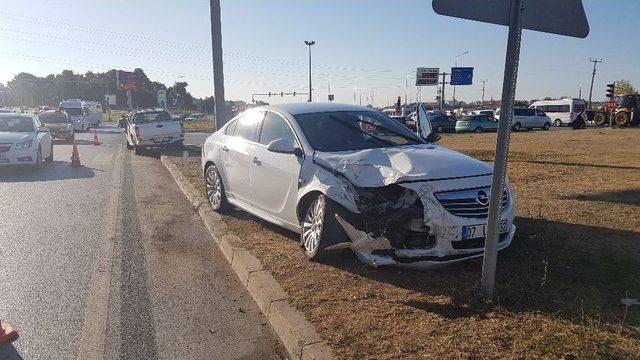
[238, 153]
[44, 138]
[275, 175]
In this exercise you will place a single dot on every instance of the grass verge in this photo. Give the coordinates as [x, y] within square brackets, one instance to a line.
[559, 285]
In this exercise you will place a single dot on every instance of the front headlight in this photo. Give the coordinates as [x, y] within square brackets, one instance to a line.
[26, 144]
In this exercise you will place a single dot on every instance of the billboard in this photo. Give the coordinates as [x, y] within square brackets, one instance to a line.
[127, 81]
[427, 76]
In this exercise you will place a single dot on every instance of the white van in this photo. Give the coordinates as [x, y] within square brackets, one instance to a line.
[94, 113]
[530, 118]
[562, 112]
[75, 109]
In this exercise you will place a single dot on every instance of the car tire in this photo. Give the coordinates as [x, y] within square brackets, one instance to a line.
[439, 129]
[214, 189]
[478, 130]
[517, 126]
[557, 123]
[320, 229]
[622, 119]
[50, 157]
[546, 126]
[38, 163]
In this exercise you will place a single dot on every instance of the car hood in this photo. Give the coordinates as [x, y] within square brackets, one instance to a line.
[385, 166]
[13, 137]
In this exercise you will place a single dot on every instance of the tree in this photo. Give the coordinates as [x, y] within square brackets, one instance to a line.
[520, 103]
[624, 87]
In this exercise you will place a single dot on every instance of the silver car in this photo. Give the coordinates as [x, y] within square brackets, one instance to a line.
[350, 177]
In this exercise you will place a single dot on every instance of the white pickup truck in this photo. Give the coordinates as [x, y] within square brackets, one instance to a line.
[153, 128]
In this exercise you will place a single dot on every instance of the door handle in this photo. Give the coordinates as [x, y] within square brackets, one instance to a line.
[224, 148]
[256, 161]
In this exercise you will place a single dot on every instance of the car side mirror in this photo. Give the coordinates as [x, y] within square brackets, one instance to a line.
[284, 146]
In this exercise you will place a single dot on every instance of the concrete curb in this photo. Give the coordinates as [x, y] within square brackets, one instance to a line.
[296, 333]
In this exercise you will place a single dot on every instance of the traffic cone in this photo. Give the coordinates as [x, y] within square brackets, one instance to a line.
[75, 157]
[95, 138]
[7, 334]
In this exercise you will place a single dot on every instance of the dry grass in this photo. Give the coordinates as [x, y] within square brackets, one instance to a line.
[559, 285]
[199, 126]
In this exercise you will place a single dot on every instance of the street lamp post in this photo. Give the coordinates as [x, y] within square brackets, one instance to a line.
[456, 65]
[309, 44]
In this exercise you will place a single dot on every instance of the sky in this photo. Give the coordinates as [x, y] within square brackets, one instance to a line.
[364, 49]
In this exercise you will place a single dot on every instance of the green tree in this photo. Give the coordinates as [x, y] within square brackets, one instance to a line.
[624, 87]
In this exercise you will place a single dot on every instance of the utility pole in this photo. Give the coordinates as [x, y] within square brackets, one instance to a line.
[483, 83]
[309, 44]
[220, 110]
[444, 76]
[593, 75]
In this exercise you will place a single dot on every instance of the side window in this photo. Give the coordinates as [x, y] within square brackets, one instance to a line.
[564, 108]
[246, 127]
[529, 112]
[231, 128]
[518, 112]
[275, 127]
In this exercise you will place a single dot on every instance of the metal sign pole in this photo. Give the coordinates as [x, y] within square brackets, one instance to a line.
[502, 149]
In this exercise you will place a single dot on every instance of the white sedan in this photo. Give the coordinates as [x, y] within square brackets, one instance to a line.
[23, 140]
[350, 177]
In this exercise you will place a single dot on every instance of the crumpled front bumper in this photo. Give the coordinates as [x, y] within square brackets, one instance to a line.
[449, 246]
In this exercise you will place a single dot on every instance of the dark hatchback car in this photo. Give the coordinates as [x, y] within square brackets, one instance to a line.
[443, 123]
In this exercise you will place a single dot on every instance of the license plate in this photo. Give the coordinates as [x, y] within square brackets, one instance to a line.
[164, 139]
[480, 231]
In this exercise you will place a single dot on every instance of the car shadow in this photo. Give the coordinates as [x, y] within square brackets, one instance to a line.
[566, 270]
[56, 170]
[626, 197]
[9, 352]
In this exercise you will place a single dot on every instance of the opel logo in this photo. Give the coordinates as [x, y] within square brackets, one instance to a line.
[482, 198]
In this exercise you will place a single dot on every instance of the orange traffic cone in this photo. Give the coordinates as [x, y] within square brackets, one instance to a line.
[75, 157]
[95, 138]
[7, 334]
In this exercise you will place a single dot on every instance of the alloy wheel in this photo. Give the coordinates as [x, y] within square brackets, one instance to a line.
[312, 225]
[214, 188]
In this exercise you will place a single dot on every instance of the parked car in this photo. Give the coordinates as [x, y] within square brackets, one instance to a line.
[59, 124]
[195, 116]
[476, 123]
[152, 128]
[528, 118]
[319, 170]
[406, 121]
[24, 140]
[443, 123]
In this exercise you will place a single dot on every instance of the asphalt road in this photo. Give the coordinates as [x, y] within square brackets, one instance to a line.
[109, 261]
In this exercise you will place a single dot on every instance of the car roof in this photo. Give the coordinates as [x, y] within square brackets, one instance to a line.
[307, 108]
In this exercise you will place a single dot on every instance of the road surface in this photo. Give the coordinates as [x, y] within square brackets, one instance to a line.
[110, 261]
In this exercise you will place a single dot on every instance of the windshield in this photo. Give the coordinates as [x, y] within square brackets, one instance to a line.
[149, 117]
[16, 124]
[353, 130]
[73, 111]
[53, 118]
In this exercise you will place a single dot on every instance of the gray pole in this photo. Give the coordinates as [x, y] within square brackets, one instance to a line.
[593, 75]
[483, 83]
[220, 110]
[309, 43]
[444, 80]
[502, 149]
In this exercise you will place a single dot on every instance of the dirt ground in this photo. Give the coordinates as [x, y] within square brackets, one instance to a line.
[575, 255]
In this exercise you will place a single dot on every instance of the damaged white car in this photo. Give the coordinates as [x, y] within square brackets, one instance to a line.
[349, 176]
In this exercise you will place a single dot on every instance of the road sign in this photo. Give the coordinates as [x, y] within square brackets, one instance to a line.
[127, 81]
[562, 17]
[427, 76]
[612, 104]
[461, 76]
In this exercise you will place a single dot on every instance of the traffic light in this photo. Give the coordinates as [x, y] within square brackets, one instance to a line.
[611, 90]
[269, 93]
[294, 93]
[399, 102]
[281, 93]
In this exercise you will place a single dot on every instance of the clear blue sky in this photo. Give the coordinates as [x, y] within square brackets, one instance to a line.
[370, 45]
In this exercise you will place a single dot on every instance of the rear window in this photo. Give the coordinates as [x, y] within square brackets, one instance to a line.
[73, 111]
[53, 118]
[143, 118]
